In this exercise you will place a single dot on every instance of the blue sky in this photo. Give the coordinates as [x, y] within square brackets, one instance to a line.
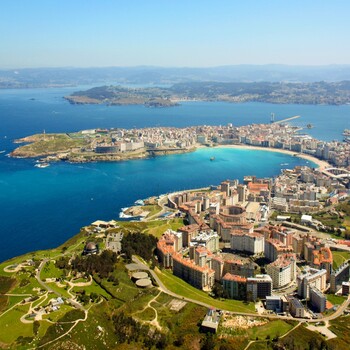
[195, 33]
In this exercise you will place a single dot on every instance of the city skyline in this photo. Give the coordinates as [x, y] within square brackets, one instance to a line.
[169, 34]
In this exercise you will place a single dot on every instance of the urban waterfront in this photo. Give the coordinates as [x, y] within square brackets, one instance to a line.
[41, 208]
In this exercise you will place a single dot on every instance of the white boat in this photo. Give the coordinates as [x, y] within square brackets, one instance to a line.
[42, 165]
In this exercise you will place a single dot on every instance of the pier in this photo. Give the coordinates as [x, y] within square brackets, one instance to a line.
[286, 120]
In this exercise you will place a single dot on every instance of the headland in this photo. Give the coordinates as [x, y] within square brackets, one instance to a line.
[122, 144]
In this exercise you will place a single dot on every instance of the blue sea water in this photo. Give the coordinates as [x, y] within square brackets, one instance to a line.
[41, 208]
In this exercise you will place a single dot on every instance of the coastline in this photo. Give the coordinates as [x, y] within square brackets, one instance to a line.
[82, 158]
[322, 164]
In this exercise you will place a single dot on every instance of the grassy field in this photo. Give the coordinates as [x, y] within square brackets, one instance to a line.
[339, 258]
[152, 209]
[146, 315]
[93, 288]
[48, 144]
[62, 291]
[302, 338]
[87, 334]
[156, 228]
[272, 329]
[269, 330]
[25, 284]
[335, 299]
[341, 327]
[180, 287]
[56, 315]
[12, 328]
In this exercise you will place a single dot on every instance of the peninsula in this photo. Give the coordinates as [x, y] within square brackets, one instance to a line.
[121, 144]
[335, 93]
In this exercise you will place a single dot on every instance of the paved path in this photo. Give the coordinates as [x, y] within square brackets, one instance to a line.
[44, 285]
[323, 330]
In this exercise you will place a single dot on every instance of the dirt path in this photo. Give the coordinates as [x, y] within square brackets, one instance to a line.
[263, 341]
[153, 322]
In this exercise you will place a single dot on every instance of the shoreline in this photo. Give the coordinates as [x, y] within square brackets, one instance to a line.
[322, 164]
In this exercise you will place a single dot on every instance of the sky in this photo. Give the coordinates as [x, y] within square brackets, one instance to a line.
[173, 33]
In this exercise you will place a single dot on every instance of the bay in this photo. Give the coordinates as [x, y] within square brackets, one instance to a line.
[41, 208]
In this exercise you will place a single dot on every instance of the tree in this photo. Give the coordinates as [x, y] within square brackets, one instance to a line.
[208, 343]
[218, 290]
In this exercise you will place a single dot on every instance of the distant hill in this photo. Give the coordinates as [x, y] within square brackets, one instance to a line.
[272, 92]
[44, 77]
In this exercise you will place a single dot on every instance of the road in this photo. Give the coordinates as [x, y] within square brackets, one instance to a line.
[45, 286]
[164, 289]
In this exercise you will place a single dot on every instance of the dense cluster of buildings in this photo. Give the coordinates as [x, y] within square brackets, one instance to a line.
[233, 214]
[275, 135]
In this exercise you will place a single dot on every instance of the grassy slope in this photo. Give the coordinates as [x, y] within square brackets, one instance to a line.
[180, 287]
[341, 327]
[49, 144]
[339, 258]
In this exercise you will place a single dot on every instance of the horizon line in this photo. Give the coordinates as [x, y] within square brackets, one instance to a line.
[185, 67]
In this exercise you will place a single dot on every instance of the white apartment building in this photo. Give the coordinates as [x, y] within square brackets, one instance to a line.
[247, 242]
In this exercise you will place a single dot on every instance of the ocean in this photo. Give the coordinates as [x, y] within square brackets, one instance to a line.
[42, 208]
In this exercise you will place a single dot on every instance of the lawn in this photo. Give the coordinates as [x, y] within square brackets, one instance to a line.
[62, 291]
[26, 288]
[152, 209]
[182, 288]
[11, 327]
[164, 225]
[44, 325]
[339, 258]
[302, 338]
[14, 300]
[50, 271]
[156, 227]
[141, 301]
[272, 329]
[93, 288]
[146, 315]
[341, 327]
[56, 315]
[335, 299]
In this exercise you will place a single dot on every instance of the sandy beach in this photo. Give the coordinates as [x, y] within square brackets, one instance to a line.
[322, 164]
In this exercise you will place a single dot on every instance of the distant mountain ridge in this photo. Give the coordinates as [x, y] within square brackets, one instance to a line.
[45, 77]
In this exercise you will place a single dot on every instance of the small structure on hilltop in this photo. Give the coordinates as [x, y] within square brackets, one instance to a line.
[144, 283]
[139, 275]
[211, 321]
[90, 248]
